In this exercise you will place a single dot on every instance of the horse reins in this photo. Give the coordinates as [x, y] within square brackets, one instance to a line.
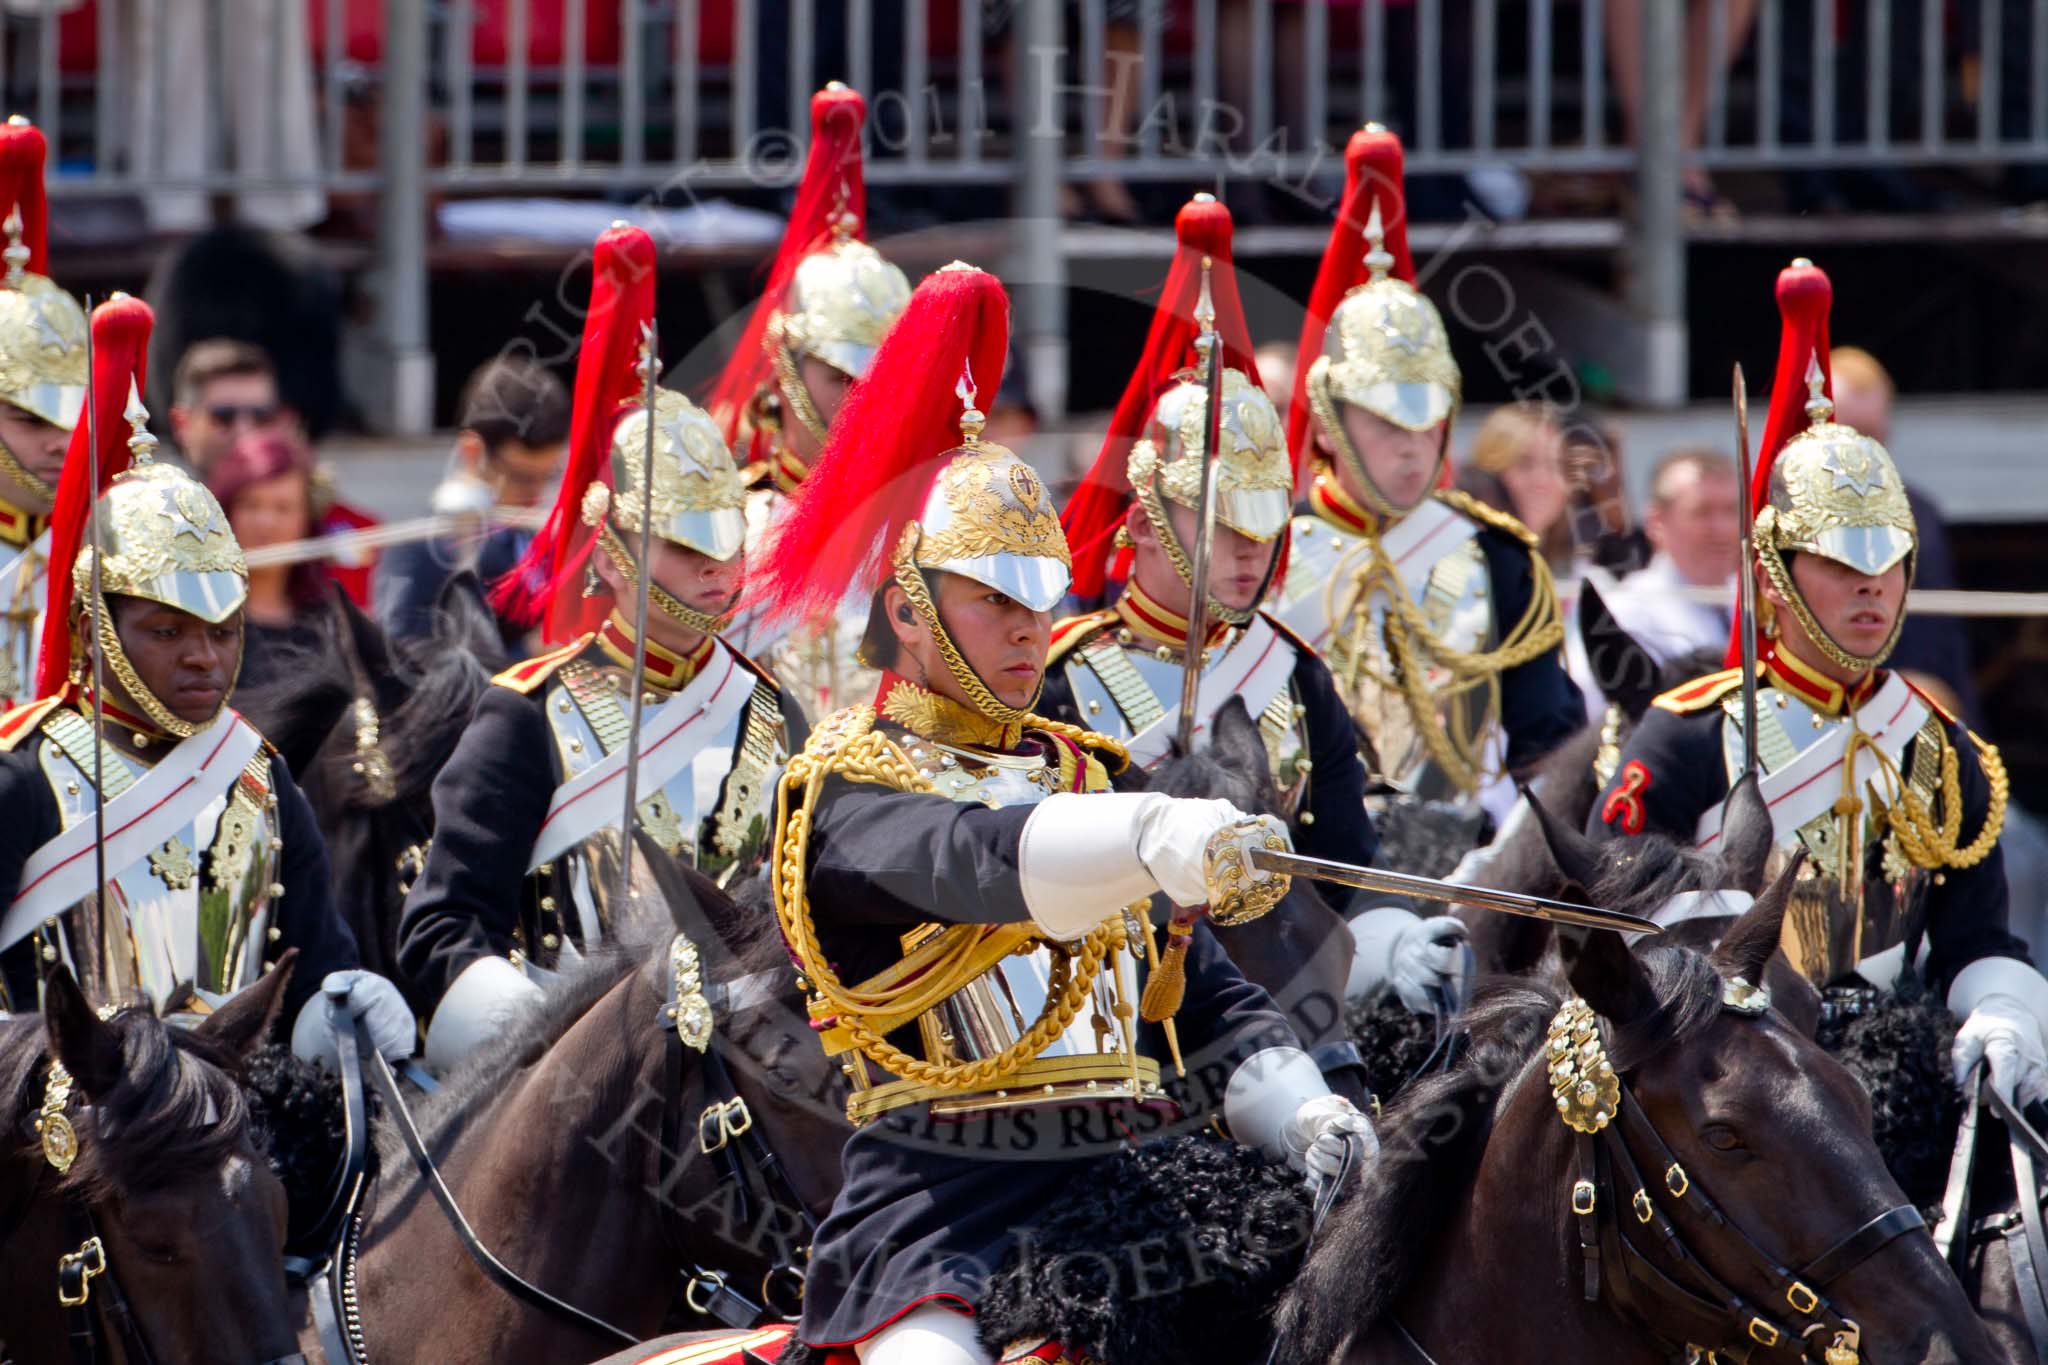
[2025, 1237]
[725, 1128]
[87, 1287]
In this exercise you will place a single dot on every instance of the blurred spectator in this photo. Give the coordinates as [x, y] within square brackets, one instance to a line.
[1517, 465]
[225, 389]
[1939, 645]
[264, 484]
[509, 453]
[189, 60]
[1694, 528]
[1012, 419]
[1601, 528]
[1625, 56]
[1275, 360]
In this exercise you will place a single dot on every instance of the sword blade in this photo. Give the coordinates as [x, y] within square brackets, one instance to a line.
[1192, 650]
[1745, 578]
[95, 607]
[1484, 898]
[644, 588]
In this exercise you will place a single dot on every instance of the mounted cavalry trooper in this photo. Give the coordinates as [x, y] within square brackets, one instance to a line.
[1438, 621]
[1119, 671]
[42, 388]
[830, 299]
[526, 863]
[1896, 803]
[966, 900]
[214, 865]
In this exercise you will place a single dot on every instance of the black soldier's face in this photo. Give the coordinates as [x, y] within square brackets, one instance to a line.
[188, 664]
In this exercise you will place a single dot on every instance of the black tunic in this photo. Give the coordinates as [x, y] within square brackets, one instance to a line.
[930, 1208]
[1540, 705]
[474, 898]
[1684, 774]
[305, 917]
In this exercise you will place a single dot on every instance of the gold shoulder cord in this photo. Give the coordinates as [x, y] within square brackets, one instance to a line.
[1933, 846]
[848, 746]
[1412, 646]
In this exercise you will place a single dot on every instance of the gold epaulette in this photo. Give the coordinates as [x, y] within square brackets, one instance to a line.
[24, 720]
[1458, 500]
[1071, 633]
[525, 677]
[1700, 693]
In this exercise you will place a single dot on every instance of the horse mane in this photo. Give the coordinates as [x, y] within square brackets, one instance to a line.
[176, 1111]
[1433, 1136]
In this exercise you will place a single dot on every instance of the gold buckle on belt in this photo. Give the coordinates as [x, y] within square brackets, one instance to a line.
[89, 1260]
[1802, 1299]
[721, 1123]
[1762, 1333]
[1583, 1198]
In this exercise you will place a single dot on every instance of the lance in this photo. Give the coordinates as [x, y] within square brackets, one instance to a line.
[643, 587]
[1210, 344]
[1745, 578]
[1483, 897]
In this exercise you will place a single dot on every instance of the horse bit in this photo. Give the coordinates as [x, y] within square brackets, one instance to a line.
[86, 1311]
[1718, 1322]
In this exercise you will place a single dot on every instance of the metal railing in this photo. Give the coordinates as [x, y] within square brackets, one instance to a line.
[253, 97]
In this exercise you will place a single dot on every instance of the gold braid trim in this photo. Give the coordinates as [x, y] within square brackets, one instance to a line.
[1412, 647]
[1928, 845]
[847, 745]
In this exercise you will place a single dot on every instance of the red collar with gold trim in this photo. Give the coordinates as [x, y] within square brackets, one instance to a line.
[928, 715]
[1788, 671]
[1143, 613]
[18, 527]
[666, 669]
[1328, 500]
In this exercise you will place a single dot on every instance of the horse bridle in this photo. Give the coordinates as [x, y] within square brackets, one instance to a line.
[99, 1323]
[725, 1128]
[1705, 1310]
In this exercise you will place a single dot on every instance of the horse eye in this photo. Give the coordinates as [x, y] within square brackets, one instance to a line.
[1721, 1138]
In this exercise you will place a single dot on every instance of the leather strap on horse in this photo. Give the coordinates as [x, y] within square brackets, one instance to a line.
[726, 1132]
[326, 1271]
[2028, 1244]
[386, 1086]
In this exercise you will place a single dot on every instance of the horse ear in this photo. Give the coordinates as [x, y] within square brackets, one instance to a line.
[241, 1025]
[1236, 742]
[1605, 974]
[366, 639]
[1576, 857]
[1747, 946]
[1625, 671]
[86, 1044]
[1746, 836]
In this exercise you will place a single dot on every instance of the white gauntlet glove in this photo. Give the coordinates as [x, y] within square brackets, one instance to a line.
[1420, 958]
[371, 999]
[1082, 858]
[2001, 1034]
[1319, 1132]
[2002, 1003]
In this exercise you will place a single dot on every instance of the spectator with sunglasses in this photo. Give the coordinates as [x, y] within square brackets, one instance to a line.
[226, 389]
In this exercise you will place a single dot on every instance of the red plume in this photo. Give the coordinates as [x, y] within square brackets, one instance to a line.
[1372, 173]
[120, 356]
[546, 582]
[885, 448]
[1093, 513]
[833, 185]
[22, 154]
[1804, 297]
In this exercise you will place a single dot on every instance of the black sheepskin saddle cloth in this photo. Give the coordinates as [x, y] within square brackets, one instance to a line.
[1175, 1251]
[1899, 1049]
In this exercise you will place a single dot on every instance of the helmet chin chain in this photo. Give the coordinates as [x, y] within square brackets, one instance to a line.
[1333, 427]
[688, 617]
[912, 580]
[1177, 555]
[1780, 575]
[138, 691]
